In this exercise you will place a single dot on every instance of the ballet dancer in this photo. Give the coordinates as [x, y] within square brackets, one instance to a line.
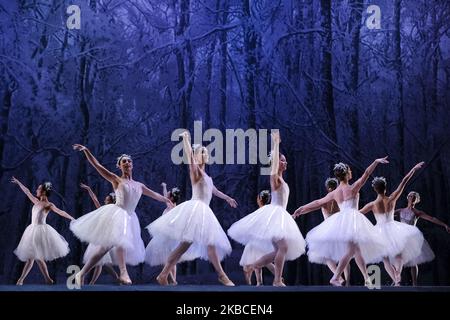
[248, 255]
[106, 261]
[153, 255]
[115, 225]
[40, 242]
[403, 242]
[410, 215]
[192, 226]
[271, 228]
[329, 209]
[347, 234]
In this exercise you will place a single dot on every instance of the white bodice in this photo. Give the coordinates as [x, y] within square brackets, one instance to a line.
[351, 203]
[280, 196]
[407, 216]
[384, 217]
[202, 189]
[128, 194]
[38, 214]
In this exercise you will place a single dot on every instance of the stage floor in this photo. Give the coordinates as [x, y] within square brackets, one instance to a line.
[217, 288]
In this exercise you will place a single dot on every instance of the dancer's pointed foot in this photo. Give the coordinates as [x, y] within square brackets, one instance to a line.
[335, 282]
[125, 279]
[19, 282]
[226, 281]
[79, 279]
[341, 280]
[368, 283]
[279, 284]
[49, 281]
[162, 280]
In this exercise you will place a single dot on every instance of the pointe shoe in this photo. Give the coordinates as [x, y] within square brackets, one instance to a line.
[19, 283]
[368, 283]
[162, 280]
[49, 281]
[226, 281]
[125, 280]
[279, 284]
[335, 282]
[78, 280]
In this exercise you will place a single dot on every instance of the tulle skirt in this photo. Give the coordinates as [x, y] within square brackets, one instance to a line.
[400, 239]
[111, 226]
[41, 242]
[192, 221]
[262, 228]
[330, 240]
[426, 255]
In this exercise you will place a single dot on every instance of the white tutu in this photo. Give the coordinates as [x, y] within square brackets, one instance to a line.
[192, 221]
[251, 254]
[330, 239]
[426, 255]
[264, 226]
[41, 242]
[400, 239]
[111, 226]
[93, 249]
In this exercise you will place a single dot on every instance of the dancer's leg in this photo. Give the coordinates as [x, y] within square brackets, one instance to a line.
[43, 267]
[26, 269]
[95, 258]
[214, 259]
[96, 274]
[174, 256]
[280, 257]
[389, 268]
[414, 275]
[342, 264]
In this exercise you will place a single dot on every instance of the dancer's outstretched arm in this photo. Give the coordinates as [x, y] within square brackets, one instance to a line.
[155, 195]
[367, 208]
[62, 213]
[314, 205]
[91, 194]
[434, 220]
[25, 190]
[105, 173]
[396, 194]
[225, 197]
[187, 148]
[361, 181]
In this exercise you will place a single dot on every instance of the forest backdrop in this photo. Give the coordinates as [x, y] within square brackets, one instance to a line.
[137, 70]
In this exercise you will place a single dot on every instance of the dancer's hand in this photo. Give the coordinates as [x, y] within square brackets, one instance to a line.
[184, 134]
[232, 202]
[382, 160]
[298, 212]
[276, 136]
[447, 228]
[169, 204]
[419, 165]
[15, 181]
[163, 184]
[84, 186]
[79, 147]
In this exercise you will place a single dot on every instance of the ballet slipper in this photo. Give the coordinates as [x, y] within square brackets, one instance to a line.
[226, 281]
[78, 279]
[162, 280]
[49, 281]
[19, 283]
[278, 284]
[335, 282]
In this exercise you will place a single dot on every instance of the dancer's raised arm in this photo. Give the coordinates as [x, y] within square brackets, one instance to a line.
[187, 148]
[225, 197]
[25, 190]
[361, 181]
[165, 193]
[91, 194]
[62, 213]
[105, 173]
[396, 194]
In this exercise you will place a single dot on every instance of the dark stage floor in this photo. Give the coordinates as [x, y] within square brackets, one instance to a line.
[218, 288]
